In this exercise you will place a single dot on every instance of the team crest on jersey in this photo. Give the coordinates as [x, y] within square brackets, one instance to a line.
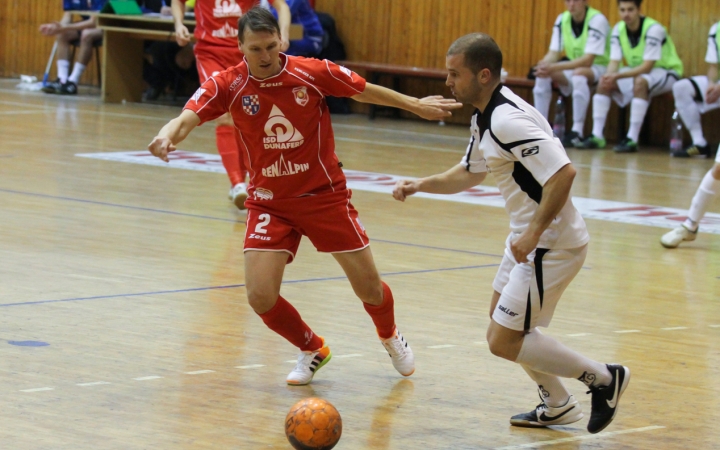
[301, 95]
[263, 194]
[196, 96]
[251, 104]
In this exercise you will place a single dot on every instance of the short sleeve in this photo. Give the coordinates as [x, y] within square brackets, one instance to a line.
[474, 160]
[598, 30]
[556, 43]
[713, 52]
[541, 154]
[209, 101]
[654, 39]
[616, 53]
[334, 80]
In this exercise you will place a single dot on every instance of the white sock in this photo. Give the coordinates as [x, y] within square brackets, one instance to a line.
[705, 193]
[543, 96]
[551, 387]
[63, 67]
[581, 100]
[684, 93]
[77, 72]
[638, 109]
[601, 107]
[544, 354]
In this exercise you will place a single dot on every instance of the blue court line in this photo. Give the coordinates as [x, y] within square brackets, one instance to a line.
[162, 211]
[232, 286]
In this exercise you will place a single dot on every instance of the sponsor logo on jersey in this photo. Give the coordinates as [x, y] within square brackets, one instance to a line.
[258, 236]
[226, 8]
[281, 134]
[301, 95]
[282, 168]
[196, 96]
[251, 104]
[507, 311]
[264, 85]
[530, 151]
[263, 194]
[346, 71]
[305, 73]
[236, 82]
[225, 32]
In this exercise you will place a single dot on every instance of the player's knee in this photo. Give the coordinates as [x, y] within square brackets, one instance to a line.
[542, 85]
[371, 292]
[579, 81]
[86, 37]
[640, 87]
[496, 344]
[261, 300]
[715, 171]
[682, 89]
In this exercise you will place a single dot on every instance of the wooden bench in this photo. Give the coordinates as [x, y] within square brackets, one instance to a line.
[373, 71]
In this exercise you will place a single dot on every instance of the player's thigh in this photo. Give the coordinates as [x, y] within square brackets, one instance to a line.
[625, 91]
[562, 80]
[359, 267]
[660, 81]
[332, 224]
[267, 231]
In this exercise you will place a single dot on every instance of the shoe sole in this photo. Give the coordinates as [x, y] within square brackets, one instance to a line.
[669, 246]
[565, 421]
[239, 201]
[325, 361]
[626, 381]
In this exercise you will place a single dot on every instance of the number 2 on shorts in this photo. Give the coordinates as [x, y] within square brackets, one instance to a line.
[264, 221]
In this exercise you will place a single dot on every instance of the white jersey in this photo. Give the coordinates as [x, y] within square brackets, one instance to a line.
[515, 143]
[654, 40]
[598, 30]
[713, 52]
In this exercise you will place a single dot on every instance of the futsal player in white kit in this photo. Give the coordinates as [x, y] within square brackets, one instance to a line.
[548, 240]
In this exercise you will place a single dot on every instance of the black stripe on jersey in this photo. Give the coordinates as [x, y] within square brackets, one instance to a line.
[472, 141]
[698, 95]
[497, 99]
[511, 145]
[528, 184]
[560, 37]
[539, 253]
[714, 41]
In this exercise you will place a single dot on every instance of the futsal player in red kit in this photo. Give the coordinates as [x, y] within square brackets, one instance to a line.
[216, 50]
[296, 188]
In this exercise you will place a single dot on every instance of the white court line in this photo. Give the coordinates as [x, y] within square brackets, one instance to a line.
[441, 346]
[94, 383]
[350, 355]
[251, 366]
[409, 145]
[579, 334]
[627, 331]
[199, 372]
[674, 328]
[37, 389]
[15, 113]
[714, 326]
[481, 342]
[579, 438]
[151, 377]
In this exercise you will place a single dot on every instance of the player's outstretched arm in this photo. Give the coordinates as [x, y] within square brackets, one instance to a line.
[452, 181]
[434, 107]
[173, 133]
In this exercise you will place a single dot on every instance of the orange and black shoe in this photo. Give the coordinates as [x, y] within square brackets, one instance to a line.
[308, 364]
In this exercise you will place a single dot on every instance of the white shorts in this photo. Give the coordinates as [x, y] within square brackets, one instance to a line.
[597, 70]
[659, 81]
[530, 291]
[700, 83]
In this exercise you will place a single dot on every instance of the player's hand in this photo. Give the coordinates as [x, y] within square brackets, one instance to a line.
[284, 44]
[404, 189]
[160, 147]
[182, 35]
[522, 246]
[436, 107]
[713, 94]
[609, 81]
[50, 29]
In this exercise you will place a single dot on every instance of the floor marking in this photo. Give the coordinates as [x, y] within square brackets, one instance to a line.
[481, 342]
[94, 383]
[151, 377]
[674, 328]
[251, 366]
[714, 326]
[37, 389]
[351, 355]
[627, 331]
[407, 146]
[579, 334]
[199, 372]
[442, 346]
[291, 361]
[580, 438]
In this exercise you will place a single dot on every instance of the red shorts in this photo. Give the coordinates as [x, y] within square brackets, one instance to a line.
[214, 59]
[329, 220]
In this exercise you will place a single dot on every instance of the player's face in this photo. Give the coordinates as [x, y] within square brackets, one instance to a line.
[262, 52]
[463, 83]
[576, 7]
[629, 13]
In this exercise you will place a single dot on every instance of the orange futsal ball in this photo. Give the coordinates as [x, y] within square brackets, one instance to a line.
[313, 424]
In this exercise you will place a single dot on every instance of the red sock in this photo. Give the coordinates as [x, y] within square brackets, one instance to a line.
[227, 147]
[383, 315]
[284, 319]
[243, 167]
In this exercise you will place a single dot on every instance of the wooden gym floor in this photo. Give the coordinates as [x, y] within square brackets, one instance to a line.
[133, 277]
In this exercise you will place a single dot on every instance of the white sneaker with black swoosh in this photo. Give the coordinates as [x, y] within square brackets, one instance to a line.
[543, 415]
[605, 399]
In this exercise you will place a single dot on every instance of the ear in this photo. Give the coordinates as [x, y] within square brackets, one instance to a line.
[484, 76]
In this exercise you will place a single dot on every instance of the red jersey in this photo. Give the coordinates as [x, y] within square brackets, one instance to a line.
[217, 21]
[284, 123]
